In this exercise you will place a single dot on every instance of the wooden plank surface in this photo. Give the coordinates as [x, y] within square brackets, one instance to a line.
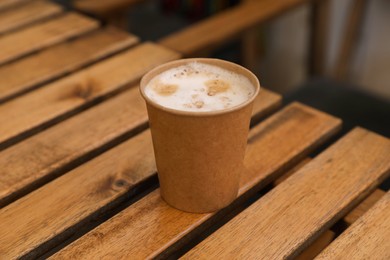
[41, 156]
[123, 70]
[223, 26]
[5, 4]
[60, 59]
[26, 14]
[292, 171]
[72, 93]
[39, 36]
[368, 238]
[296, 212]
[24, 167]
[101, 182]
[149, 227]
[326, 238]
[355, 213]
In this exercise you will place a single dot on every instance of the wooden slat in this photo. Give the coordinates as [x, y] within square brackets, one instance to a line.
[225, 25]
[36, 37]
[292, 171]
[41, 107]
[103, 8]
[101, 183]
[368, 238]
[149, 227]
[354, 214]
[324, 239]
[285, 220]
[59, 60]
[4, 4]
[26, 14]
[317, 246]
[363, 207]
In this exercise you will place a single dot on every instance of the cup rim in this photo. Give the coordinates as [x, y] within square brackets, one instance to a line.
[163, 67]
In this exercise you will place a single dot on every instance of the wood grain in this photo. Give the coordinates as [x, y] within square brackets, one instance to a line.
[223, 26]
[292, 171]
[285, 220]
[59, 60]
[368, 238]
[71, 198]
[101, 183]
[27, 14]
[70, 94]
[5, 4]
[39, 36]
[149, 227]
[363, 207]
[326, 238]
[39, 158]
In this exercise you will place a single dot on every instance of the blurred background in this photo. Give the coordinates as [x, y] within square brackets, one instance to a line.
[333, 55]
[282, 43]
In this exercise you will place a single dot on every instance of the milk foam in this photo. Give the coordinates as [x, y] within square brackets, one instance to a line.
[199, 87]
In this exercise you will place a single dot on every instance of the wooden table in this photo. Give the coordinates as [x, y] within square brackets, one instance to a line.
[78, 179]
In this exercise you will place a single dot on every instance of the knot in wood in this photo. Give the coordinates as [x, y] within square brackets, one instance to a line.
[120, 183]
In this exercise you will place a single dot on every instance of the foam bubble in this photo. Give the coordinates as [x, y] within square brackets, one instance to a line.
[199, 87]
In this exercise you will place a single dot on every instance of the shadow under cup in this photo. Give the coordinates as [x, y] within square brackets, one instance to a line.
[199, 155]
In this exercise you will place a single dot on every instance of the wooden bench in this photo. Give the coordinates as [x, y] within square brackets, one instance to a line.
[85, 176]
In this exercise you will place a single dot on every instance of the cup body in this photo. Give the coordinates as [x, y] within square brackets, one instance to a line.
[199, 155]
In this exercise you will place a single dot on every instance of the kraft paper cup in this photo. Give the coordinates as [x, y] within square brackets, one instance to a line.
[199, 155]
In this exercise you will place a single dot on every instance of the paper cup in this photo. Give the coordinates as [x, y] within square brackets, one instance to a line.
[199, 155]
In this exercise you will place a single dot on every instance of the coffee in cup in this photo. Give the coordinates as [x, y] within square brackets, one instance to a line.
[199, 114]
